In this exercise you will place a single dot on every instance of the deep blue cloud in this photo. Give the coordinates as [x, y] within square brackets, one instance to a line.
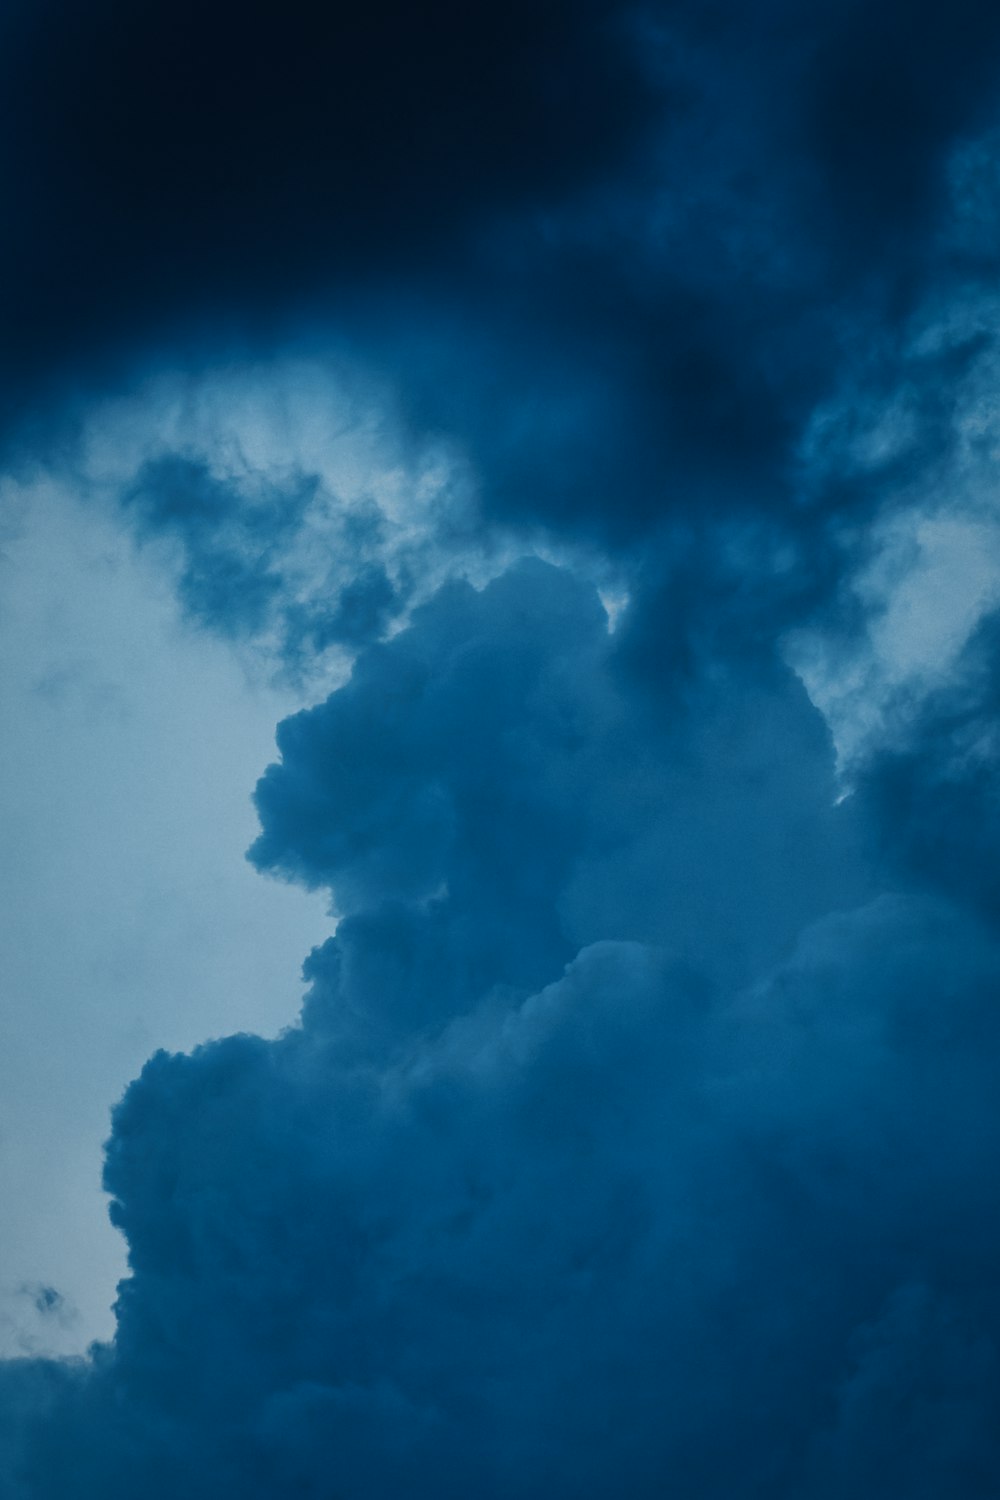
[638, 1133]
[528, 793]
[587, 238]
[621, 1113]
[212, 159]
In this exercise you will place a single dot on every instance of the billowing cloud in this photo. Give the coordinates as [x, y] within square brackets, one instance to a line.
[637, 1133]
[598, 1136]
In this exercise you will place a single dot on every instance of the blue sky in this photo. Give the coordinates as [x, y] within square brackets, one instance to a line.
[499, 601]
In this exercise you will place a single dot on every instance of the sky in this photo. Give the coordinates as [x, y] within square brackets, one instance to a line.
[499, 614]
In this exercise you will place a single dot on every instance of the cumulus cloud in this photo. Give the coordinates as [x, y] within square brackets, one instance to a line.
[637, 1132]
[554, 1180]
[533, 794]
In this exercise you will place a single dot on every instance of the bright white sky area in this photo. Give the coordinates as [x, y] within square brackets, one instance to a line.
[130, 745]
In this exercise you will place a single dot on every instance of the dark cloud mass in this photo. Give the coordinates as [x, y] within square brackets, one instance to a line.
[543, 1192]
[638, 1133]
[229, 155]
[588, 237]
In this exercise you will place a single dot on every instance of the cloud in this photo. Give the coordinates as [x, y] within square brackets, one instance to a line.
[531, 796]
[555, 1178]
[633, 231]
[288, 506]
[204, 159]
[931, 787]
[638, 1131]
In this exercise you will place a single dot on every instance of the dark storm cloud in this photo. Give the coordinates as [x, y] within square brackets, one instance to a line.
[207, 159]
[530, 795]
[543, 1194]
[639, 1133]
[618, 252]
